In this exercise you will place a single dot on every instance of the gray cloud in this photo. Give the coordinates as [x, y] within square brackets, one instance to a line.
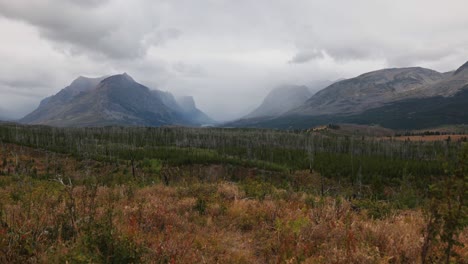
[306, 56]
[89, 3]
[195, 71]
[114, 29]
[227, 54]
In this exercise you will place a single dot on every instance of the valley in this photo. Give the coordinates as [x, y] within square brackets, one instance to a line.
[189, 195]
[266, 131]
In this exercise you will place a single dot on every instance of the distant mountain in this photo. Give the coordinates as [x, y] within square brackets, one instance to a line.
[419, 113]
[280, 100]
[450, 85]
[114, 100]
[51, 107]
[368, 91]
[190, 110]
[415, 113]
[168, 99]
[462, 70]
[404, 98]
[318, 85]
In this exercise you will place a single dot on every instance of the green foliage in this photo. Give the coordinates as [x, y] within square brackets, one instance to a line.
[375, 209]
[200, 206]
[258, 189]
[101, 243]
[385, 174]
[447, 213]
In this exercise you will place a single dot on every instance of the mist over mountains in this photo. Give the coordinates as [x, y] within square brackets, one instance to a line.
[281, 100]
[401, 98]
[114, 100]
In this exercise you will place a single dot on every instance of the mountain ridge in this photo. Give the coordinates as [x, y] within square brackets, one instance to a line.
[368, 90]
[114, 100]
[372, 98]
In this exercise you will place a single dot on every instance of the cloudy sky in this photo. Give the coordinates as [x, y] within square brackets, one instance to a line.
[226, 53]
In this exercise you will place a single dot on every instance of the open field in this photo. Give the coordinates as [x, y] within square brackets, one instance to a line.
[123, 195]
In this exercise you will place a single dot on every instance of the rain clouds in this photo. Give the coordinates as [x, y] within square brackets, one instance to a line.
[227, 54]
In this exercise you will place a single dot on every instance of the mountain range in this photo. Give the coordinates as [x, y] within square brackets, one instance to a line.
[400, 98]
[115, 100]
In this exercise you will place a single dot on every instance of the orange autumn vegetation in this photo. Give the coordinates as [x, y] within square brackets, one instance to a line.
[196, 221]
[160, 224]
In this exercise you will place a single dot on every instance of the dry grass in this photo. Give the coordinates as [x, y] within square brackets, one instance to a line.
[43, 221]
[164, 224]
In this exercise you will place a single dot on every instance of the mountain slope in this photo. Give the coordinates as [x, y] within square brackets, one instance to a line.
[418, 113]
[115, 100]
[413, 113]
[281, 100]
[51, 106]
[448, 86]
[368, 91]
[190, 110]
[406, 98]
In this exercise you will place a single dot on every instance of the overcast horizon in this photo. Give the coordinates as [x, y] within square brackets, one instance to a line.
[226, 54]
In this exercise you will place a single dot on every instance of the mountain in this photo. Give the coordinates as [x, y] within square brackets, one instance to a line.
[115, 100]
[168, 99]
[318, 85]
[280, 100]
[51, 106]
[368, 91]
[450, 85]
[401, 98]
[419, 113]
[413, 113]
[462, 70]
[190, 110]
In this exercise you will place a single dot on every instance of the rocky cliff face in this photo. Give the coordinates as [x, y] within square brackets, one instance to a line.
[115, 100]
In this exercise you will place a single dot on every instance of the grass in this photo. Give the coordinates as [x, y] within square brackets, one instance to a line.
[55, 208]
[161, 224]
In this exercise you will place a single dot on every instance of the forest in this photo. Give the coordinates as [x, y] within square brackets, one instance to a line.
[219, 195]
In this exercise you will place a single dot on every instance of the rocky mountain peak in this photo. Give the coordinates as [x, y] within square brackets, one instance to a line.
[120, 78]
[115, 100]
[127, 77]
[83, 84]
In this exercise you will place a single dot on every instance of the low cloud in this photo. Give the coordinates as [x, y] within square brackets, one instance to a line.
[227, 54]
[306, 56]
